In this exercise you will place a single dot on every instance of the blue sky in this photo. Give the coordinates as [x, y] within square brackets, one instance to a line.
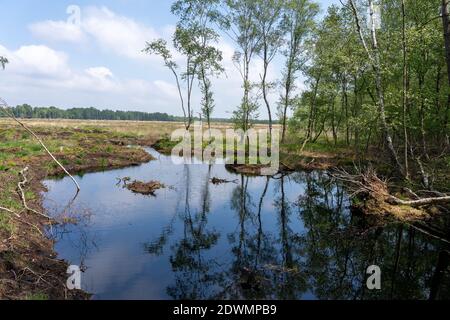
[98, 61]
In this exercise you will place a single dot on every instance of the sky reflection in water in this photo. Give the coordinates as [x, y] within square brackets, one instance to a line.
[290, 237]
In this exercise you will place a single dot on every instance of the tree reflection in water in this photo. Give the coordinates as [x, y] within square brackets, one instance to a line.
[327, 259]
[194, 272]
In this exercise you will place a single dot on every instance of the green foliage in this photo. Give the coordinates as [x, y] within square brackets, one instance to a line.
[298, 24]
[341, 102]
[195, 40]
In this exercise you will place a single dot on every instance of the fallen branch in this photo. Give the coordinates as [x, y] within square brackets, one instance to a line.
[412, 193]
[4, 107]
[10, 211]
[21, 185]
[420, 202]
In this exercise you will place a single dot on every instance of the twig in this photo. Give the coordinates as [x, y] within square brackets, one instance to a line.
[39, 276]
[412, 193]
[4, 107]
[429, 234]
[31, 225]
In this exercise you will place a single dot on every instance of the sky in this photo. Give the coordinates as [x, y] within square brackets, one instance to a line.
[88, 53]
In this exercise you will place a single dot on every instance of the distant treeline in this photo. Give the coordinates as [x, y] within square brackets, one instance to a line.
[26, 111]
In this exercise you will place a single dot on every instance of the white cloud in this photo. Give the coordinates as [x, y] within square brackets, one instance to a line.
[120, 34]
[166, 88]
[112, 32]
[58, 31]
[102, 73]
[41, 76]
[37, 60]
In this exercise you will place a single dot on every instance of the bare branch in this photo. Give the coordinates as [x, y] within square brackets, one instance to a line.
[4, 107]
[10, 211]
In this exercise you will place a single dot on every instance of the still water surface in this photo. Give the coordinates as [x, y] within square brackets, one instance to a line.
[290, 237]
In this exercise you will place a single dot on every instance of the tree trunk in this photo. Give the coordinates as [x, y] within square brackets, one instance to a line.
[264, 87]
[421, 202]
[374, 58]
[313, 107]
[446, 24]
[405, 91]
[288, 89]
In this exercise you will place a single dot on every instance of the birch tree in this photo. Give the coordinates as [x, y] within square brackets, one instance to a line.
[373, 55]
[268, 14]
[199, 17]
[238, 22]
[298, 22]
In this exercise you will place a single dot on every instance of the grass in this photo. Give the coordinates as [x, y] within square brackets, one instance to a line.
[37, 297]
[8, 193]
[6, 224]
[76, 140]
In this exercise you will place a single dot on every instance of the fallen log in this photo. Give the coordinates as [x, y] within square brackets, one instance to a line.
[419, 203]
[371, 186]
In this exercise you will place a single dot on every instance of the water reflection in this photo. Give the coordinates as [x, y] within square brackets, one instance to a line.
[194, 272]
[286, 237]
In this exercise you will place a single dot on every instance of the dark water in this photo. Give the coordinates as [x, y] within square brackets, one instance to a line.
[290, 237]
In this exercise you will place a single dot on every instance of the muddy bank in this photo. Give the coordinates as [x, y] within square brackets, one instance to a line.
[145, 188]
[102, 161]
[254, 169]
[29, 267]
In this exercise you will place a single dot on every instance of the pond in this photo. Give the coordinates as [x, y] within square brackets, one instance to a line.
[286, 237]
